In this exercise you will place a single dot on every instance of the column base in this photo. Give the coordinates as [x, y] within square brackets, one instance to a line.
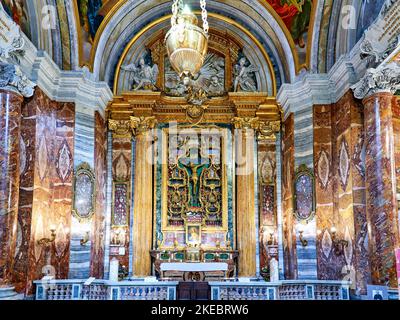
[9, 293]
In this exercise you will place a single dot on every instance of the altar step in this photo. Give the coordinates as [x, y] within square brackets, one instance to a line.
[9, 293]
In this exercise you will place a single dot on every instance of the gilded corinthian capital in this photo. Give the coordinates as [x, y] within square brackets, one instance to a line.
[265, 130]
[120, 128]
[382, 79]
[246, 123]
[140, 125]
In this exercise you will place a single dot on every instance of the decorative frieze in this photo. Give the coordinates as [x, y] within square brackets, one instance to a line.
[11, 49]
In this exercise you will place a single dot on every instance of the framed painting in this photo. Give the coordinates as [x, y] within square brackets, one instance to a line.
[84, 191]
[193, 234]
[304, 195]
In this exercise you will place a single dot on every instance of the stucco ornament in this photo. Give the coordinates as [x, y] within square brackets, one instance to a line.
[11, 49]
[378, 48]
[383, 79]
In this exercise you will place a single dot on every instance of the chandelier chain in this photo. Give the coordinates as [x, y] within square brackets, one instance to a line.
[177, 7]
[204, 15]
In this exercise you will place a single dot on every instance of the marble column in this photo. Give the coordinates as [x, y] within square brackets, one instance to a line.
[381, 187]
[10, 119]
[377, 89]
[143, 195]
[245, 198]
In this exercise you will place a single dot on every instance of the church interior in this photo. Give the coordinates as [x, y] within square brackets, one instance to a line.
[199, 149]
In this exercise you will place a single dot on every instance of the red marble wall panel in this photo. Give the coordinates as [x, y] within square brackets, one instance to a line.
[47, 179]
[97, 250]
[27, 168]
[396, 131]
[121, 166]
[357, 151]
[267, 199]
[343, 214]
[327, 268]
[10, 119]
[340, 191]
[289, 233]
[62, 176]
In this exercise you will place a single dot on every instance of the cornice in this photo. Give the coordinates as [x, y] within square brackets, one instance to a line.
[64, 86]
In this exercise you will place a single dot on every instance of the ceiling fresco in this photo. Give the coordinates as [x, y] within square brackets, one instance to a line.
[17, 9]
[296, 15]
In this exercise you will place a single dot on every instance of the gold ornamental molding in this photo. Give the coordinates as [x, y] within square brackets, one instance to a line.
[174, 109]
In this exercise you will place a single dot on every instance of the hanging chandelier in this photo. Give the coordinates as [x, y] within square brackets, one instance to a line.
[186, 42]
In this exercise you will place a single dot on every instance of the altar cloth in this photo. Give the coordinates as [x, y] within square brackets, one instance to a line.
[194, 267]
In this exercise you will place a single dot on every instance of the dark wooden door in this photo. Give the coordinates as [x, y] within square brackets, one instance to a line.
[194, 291]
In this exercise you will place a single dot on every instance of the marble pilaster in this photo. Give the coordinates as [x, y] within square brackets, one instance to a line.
[143, 195]
[288, 223]
[245, 195]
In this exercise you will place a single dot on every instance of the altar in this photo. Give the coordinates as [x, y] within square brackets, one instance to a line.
[211, 265]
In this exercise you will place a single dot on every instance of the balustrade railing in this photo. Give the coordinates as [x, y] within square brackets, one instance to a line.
[140, 290]
[104, 290]
[284, 290]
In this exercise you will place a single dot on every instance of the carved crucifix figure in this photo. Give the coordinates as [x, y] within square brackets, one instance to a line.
[193, 171]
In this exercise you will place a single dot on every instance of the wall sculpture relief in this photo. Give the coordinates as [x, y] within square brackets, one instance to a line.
[211, 78]
[142, 75]
[244, 76]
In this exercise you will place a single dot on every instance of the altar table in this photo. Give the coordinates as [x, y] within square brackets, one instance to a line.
[194, 267]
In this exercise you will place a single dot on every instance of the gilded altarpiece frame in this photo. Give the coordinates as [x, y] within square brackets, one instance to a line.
[178, 232]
